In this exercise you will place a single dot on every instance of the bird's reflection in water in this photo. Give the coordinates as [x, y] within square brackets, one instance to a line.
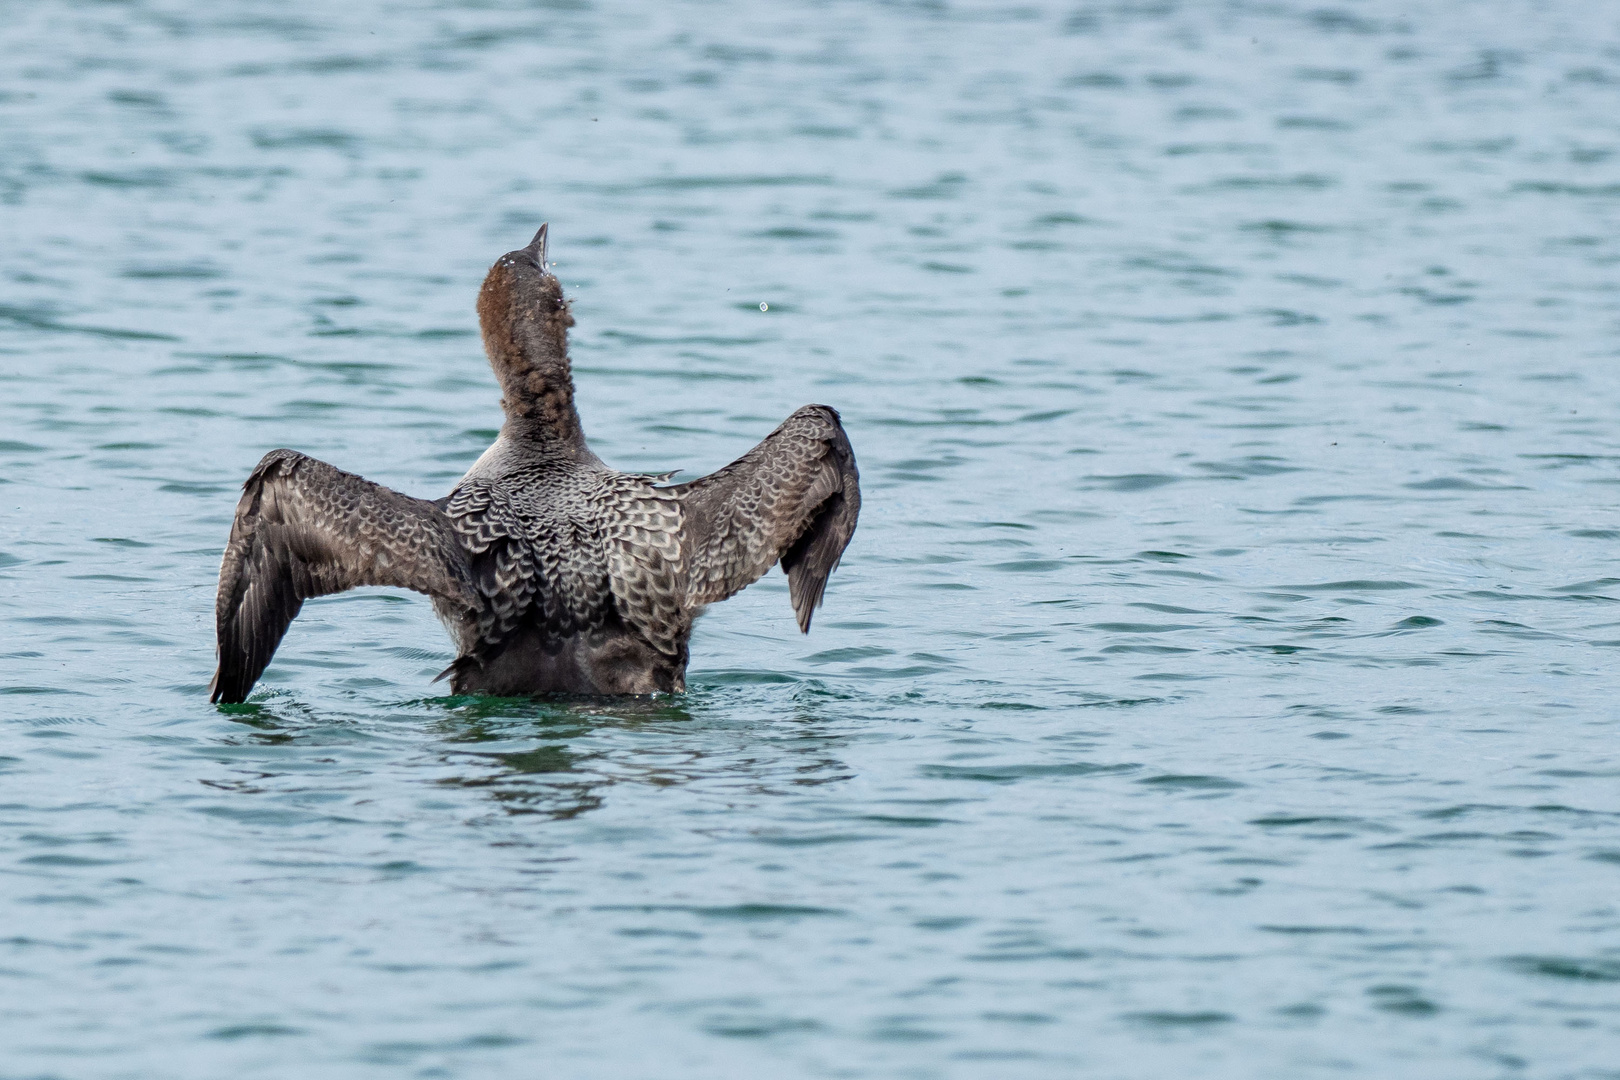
[556, 756]
[590, 745]
[553, 779]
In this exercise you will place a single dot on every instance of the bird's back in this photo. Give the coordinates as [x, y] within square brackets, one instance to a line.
[562, 547]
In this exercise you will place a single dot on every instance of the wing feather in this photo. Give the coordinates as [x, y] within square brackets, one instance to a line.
[304, 529]
[793, 499]
[646, 563]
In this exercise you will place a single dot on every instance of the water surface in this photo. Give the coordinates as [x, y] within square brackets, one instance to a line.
[1219, 683]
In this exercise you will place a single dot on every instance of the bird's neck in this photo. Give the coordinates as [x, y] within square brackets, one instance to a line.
[528, 349]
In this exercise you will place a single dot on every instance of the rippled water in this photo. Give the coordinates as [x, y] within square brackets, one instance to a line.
[1219, 682]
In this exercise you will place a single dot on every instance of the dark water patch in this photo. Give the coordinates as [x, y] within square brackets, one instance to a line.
[759, 1027]
[1301, 181]
[1029, 566]
[907, 822]
[37, 320]
[1453, 483]
[1177, 265]
[1313, 281]
[1252, 467]
[270, 816]
[505, 35]
[1161, 1019]
[813, 840]
[1569, 458]
[255, 358]
[1288, 821]
[1187, 149]
[305, 139]
[1061, 218]
[1592, 587]
[1402, 1001]
[945, 186]
[1313, 123]
[1554, 187]
[1602, 969]
[1355, 586]
[1004, 774]
[1019, 954]
[137, 98]
[235, 1032]
[132, 178]
[172, 272]
[1449, 812]
[1132, 482]
[1170, 781]
[66, 861]
[718, 183]
[70, 900]
[1095, 80]
[1319, 500]
[1143, 628]
[731, 913]
[793, 232]
[1277, 227]
[846, 655]
[1180, 575]
[822, 131]
[188, 488]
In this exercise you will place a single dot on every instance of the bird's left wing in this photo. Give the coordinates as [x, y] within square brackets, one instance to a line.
[794, 498]
[303, 529]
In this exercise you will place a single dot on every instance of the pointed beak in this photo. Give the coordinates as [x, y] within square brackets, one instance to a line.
[537, 248]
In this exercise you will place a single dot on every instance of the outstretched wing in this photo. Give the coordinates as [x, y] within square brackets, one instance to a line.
[793, 498]
[305, 529]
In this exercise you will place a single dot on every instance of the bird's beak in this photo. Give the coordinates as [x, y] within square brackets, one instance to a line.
[537, 249]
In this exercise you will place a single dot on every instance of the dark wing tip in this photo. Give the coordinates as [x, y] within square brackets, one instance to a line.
[226, 688]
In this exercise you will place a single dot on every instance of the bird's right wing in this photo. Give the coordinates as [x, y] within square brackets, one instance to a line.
[795, 498]
[306, 529]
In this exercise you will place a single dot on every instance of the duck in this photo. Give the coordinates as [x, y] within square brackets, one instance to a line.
[552, 571]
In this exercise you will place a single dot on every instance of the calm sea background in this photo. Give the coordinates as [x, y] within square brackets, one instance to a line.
[1220, 684]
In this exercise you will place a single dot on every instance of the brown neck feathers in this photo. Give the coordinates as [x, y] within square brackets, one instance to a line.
[525, 321]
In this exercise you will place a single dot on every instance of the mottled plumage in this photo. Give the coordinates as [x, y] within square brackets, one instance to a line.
[552, 571]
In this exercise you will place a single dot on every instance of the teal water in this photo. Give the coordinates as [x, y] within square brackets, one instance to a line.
[1219, 684]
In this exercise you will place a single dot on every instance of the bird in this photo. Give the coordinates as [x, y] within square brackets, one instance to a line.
[552, 572]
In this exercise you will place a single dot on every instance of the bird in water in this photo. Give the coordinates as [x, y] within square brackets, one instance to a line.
[552, 571]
